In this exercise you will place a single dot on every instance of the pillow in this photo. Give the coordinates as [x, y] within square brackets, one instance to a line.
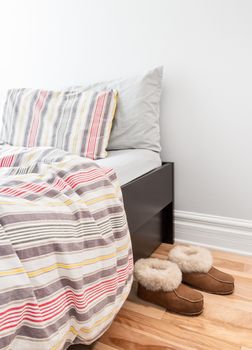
[136, 123]
[75, 121]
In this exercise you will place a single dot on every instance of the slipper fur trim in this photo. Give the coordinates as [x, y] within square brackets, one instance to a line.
[191, 258]
[157, 274]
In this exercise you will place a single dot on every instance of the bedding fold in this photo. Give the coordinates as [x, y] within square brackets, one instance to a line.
[66, 258]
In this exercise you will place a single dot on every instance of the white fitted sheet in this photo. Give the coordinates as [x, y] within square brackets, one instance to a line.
[131, 163]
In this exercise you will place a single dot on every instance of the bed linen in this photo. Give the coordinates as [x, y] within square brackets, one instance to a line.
[77, 122]
[129, 164]
[66, 258]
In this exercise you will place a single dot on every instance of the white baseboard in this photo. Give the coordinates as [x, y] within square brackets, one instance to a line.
[216, 232]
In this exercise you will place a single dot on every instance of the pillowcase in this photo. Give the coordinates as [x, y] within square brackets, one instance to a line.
[75, 121]
[136, 123]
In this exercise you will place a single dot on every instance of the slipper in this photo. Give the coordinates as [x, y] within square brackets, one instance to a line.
[196, 265]
[159, 282]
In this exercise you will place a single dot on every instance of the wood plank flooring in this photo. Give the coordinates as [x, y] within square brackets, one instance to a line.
[226, 323]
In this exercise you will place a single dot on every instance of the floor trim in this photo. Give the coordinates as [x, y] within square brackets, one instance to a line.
[229, 234]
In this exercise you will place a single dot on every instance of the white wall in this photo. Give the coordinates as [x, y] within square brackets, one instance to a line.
[206, 48]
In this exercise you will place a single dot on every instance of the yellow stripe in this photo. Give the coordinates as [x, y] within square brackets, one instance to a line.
[99, 199]
[23, 112]
[52, 107]
[115, 102]
[76, 265]
[6, 203]
[126, 246]
[69, 266]
[97, 323]
[12, 271]
[67, 202]
[83, 110]
[63, 266]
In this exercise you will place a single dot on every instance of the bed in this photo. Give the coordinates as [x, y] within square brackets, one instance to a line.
[72, 215]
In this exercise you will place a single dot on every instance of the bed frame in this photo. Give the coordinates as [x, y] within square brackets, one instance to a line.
[148, 202]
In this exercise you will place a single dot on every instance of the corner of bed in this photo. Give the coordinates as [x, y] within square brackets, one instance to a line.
[148, 202]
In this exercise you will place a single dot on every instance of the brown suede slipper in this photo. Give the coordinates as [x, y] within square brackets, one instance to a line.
[198, 272]
[159, 282]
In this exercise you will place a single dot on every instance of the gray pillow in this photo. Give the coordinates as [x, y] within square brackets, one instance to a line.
[136, 123]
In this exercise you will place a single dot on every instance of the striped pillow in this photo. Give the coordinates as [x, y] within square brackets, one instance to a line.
[75, 121]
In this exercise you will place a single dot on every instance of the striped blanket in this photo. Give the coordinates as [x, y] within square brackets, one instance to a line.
[65, 250]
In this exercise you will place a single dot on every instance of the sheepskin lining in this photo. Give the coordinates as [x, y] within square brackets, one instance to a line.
[156, 274]
[191, 259]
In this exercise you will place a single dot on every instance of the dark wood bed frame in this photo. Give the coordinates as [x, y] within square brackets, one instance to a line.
[148, 202]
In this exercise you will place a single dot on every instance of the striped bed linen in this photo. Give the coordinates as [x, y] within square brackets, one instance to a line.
[75, 121]
[66, 258]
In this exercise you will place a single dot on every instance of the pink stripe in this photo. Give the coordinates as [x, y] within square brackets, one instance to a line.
[6, 161]
[36, 116]
[92, 140]
[72, 181]
[105, 288]
[62, 307]
[96, 141]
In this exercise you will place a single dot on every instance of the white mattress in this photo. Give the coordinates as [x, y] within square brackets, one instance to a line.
[131, 163]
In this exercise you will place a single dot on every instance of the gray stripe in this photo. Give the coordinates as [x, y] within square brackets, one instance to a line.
[73, 229]
[5, 134]
[28, 253]
[12, 115]
[70, 121]
[23, 217]
[15, 218]
[42, 236]
[57, 122]
[20, 293]
[6, 249]
[76, 226]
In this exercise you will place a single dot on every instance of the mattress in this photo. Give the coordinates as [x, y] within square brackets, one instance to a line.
[131, 163]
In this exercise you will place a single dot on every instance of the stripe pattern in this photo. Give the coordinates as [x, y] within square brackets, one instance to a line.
[75, 121]
[66, 257]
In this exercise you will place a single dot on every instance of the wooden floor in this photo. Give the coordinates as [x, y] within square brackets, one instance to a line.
[226, 323]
